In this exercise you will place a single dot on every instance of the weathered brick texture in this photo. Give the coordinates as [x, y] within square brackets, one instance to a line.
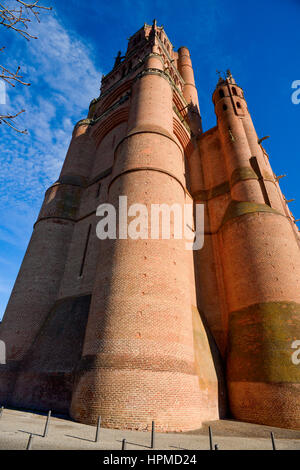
[138, 330]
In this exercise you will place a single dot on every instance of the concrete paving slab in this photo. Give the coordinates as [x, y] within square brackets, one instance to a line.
[65, 434]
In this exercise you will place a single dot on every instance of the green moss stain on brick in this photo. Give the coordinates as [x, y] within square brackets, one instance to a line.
[260, 339]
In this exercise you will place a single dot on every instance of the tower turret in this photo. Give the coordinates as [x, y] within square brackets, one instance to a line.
[189, 90]
[260, 264]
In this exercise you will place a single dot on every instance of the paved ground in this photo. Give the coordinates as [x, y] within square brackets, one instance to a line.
[16, 426]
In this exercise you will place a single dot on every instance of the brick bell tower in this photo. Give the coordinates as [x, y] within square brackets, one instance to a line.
[257, 244]
[111, 327]
[139, 330]
[249, 267]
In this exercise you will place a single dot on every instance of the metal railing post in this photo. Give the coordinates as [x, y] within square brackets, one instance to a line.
[98, 429]
[47, 425]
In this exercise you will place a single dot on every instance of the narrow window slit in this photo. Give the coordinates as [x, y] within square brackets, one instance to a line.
[85, 250]
[255, 166]
[98, 190]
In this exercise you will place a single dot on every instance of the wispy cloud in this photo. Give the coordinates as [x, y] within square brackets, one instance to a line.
[64, 77]
[63, 80]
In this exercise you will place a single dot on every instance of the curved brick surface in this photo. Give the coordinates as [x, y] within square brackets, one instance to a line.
[139, 359]
[149, 345]
[262, 403]
[34, 295]
[260, 275]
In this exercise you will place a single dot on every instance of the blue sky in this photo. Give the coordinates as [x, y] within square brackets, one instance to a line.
[257, 40]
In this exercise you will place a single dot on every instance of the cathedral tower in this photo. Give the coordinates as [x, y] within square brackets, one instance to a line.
[259, 251]
[135, 330]
[113, 325]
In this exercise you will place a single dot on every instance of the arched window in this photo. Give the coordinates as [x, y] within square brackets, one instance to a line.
[238, 104]
[234, 92]
[221, 94]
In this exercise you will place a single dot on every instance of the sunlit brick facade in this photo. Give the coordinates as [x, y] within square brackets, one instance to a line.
[142, 330]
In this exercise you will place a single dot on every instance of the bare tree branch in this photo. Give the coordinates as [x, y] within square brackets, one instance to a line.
[7, 75]
[4, 118]
[17, 19]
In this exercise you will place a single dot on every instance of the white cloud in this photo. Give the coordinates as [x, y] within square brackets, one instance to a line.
[64, 79]
[65, 63]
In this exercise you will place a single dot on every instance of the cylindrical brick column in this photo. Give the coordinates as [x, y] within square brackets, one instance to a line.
[189, 90]
[80, 156]
[33, 295]
[261, 269]
[139, 361]
[186, 71]
[237, 153]
[37, 285]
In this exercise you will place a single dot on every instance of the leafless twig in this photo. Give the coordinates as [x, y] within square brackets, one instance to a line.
[17, 19]
[7, 76]
[8, 119]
